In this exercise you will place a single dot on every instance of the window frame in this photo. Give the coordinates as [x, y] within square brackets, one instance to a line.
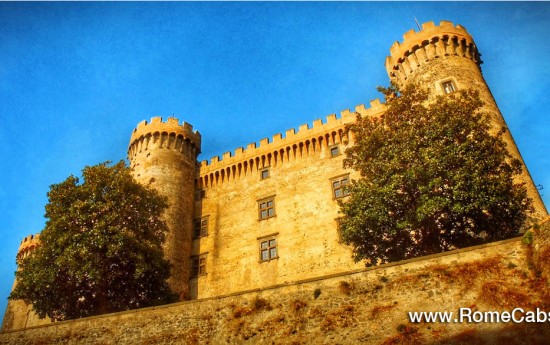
[331, 148]
[198, 269]
[272, 244]
[265, 170]
[448, 82]
[340, 187]
[267, 208]
[202, 228]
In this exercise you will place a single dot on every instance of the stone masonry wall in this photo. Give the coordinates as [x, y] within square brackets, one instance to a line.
[304, 225]
[363, 306]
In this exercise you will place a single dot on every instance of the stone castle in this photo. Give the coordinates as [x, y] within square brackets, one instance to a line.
[267, 214]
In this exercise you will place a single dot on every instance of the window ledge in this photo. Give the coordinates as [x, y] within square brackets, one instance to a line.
[272, 259]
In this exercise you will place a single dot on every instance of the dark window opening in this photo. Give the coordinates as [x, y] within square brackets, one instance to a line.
[268, 249]
[198, 267]
[266, 208]
[200, 228]
[339, 187]
[334, 151]
[448, 86]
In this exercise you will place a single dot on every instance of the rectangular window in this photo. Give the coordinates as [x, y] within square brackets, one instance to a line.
[448, 86]
[201, 227]
[264, 173]
[266, 208]
[334, 151]
[268, 249]
[338, 186]
[198, 265]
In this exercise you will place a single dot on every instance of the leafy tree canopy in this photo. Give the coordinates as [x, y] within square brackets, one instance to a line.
[433, 179]
[101, 248]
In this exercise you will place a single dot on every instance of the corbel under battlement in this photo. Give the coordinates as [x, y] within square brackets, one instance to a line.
[171, 126]
[427, 44]
[28, 244]
[291, 136]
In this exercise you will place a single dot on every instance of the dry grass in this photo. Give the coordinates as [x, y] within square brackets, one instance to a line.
[541, 285]
[315, 312]
[340, 318]
[239, 312]
[272, 325]
[498, 294]
[377, 310]
[470, 274]
[346, 288]
[539, 261]
[297, 305]
[406, 335]
[437, 333]
[467, 274]
[544, 255]
[259, 303]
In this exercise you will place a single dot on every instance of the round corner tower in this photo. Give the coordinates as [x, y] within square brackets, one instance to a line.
[19, 314]
[163, 155]
[27, 246]
[444, 59]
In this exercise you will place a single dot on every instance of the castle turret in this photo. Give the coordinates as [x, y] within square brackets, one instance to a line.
[444, 59]
[19, 314]
[27, 246]
[163, 155]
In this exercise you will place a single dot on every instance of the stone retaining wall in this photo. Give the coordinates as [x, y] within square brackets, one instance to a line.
[364, 306]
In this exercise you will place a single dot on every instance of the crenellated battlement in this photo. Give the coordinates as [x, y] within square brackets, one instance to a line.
[295, 143]
[170, 134]
[292, 136]
[28, 244]
[431, 42]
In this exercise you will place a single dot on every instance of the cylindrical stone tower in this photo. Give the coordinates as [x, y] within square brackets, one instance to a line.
[163, 155]
[19, 314]
[444, 59]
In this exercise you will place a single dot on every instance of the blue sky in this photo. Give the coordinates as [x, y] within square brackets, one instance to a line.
[75, 78]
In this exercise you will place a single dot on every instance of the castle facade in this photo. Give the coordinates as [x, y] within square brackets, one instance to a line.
[267, 214]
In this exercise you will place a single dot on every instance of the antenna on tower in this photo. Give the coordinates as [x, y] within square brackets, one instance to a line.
[417, 24]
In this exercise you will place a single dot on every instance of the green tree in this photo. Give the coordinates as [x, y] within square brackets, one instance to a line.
[101, 248]
[432, 178]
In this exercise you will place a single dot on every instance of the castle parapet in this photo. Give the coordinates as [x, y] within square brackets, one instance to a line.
[170, 134]
[292, 137]
[27, 246]
[431, 42]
